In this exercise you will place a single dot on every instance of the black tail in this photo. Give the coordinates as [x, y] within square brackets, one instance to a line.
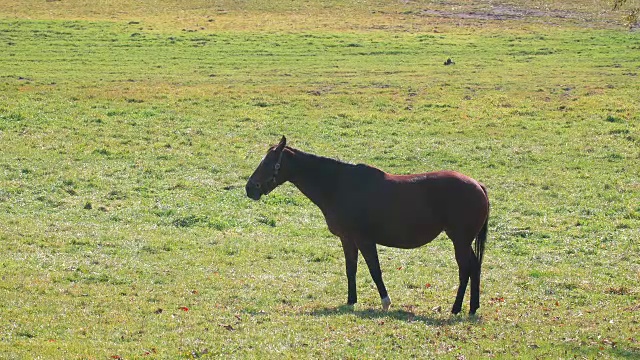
[481, 240]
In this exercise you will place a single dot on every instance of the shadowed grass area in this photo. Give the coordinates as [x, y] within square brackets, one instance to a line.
[127, 134]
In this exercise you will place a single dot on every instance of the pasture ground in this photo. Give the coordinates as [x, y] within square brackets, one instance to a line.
[127, 133]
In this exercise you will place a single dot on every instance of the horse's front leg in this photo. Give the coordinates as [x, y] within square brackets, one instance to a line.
[370, 254]
[351, 258]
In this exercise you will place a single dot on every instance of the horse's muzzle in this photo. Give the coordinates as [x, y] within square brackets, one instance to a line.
[253, 192]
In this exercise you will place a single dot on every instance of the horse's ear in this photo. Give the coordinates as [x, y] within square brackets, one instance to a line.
[282, 144]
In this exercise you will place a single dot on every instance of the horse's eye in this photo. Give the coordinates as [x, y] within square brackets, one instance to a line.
[258, 185]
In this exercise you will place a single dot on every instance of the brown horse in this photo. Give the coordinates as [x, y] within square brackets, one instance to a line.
[365, 206]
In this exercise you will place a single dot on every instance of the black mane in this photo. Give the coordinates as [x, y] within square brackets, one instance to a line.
[323, 165]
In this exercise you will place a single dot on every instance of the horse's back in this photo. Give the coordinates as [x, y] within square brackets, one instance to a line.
[460, 200]
[404, 210]
[421, 206]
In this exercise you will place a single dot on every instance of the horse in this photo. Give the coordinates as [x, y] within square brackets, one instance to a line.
[366, 207]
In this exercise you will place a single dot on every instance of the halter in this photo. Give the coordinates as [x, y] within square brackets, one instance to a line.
[276, 168]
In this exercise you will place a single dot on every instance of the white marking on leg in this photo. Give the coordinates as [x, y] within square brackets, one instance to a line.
[386, 302]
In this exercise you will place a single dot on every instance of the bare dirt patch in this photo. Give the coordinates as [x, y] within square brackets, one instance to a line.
[505, 12]
[502, 13]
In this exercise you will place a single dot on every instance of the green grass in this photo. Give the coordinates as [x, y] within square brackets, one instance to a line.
[127, 135]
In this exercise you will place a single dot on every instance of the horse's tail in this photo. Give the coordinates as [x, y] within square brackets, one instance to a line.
[481, 239]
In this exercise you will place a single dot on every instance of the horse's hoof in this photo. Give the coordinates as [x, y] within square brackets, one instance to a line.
[456, 310]
[386, 302]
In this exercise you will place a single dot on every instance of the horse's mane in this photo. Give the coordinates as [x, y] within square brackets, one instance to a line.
[325, 164]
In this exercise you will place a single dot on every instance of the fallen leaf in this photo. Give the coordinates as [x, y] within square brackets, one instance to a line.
[227, 327]
[116, 357]
[437, 309]
[183, 308]
[399, 267]
[427, 285]
[158, 311]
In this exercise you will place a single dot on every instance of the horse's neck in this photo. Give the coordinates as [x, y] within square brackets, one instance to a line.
[316, 177]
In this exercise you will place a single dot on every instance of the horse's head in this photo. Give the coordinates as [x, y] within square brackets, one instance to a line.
[265, 178]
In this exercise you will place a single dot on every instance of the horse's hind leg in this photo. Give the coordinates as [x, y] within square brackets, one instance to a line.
[463, 259]
[468, 268]
[475, 284]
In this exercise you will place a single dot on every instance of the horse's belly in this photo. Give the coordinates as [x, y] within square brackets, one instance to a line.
[407, 236]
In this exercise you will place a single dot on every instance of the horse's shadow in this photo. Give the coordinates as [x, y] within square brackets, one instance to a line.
[397, 314]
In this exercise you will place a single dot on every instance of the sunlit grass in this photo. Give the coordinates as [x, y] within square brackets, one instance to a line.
[126, 143]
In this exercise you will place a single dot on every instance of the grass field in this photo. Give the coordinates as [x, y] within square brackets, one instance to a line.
[127, 133]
